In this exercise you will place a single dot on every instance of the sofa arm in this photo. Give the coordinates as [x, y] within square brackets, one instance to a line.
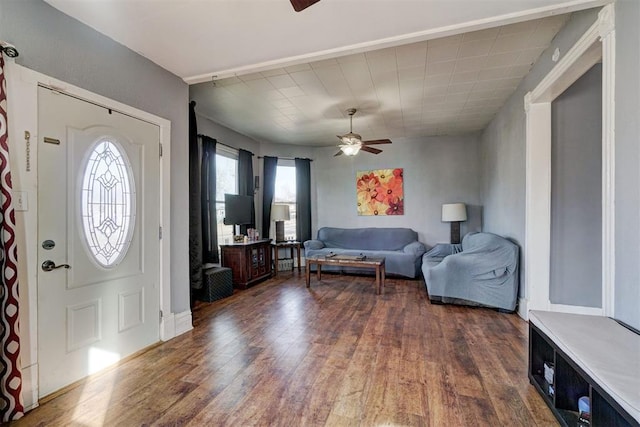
[313, 244]
[415, 248]
[442, 250]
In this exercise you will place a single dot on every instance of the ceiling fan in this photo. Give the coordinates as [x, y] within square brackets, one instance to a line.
[352, 143]
[300, 5]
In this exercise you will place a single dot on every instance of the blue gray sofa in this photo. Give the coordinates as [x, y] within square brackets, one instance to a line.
[400, 247]
[482, 271]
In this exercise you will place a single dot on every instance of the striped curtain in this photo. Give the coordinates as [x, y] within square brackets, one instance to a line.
[11, 407]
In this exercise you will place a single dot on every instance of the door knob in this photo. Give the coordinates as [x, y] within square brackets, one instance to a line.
[49, 265]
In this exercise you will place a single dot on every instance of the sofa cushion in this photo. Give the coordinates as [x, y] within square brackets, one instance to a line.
[392, 239]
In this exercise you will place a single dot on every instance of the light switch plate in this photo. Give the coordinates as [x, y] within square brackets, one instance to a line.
[20, 201]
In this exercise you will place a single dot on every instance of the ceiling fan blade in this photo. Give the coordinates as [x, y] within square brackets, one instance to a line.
[300, 5]
[370, 149]
[377, 141]
[339, 153]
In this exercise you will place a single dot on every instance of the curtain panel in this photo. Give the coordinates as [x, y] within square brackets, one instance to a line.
[210, 252]
[245, 184]
[195, 203]
[270, 167]
[11, 406]
[303, 199]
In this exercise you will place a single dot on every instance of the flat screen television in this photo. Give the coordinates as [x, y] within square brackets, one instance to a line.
[237, 209]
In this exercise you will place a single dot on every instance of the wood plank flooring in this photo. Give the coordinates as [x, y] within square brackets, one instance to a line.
[336, 354]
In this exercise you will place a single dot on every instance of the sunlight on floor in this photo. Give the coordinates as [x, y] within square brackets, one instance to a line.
[100, 359]
[98, 400]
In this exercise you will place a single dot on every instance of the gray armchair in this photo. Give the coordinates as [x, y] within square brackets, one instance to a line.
[482, 271]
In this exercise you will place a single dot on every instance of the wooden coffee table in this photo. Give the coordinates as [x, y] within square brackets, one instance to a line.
[372, 263]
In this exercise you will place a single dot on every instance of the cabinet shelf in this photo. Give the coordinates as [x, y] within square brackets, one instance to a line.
[570, 382]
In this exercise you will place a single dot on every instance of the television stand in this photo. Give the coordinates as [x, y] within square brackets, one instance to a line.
[250, 263]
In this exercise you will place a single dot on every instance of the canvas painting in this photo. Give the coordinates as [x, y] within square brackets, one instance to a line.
[380, 192]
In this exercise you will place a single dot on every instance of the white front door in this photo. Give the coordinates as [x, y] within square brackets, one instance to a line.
[99, 214]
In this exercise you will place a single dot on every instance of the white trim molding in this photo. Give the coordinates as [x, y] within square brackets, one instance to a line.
[596, 44]
[577, 309]
[22, 84]
[606, 20]
[183, 322]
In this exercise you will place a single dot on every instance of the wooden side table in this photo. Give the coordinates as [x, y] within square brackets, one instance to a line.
[289, 244]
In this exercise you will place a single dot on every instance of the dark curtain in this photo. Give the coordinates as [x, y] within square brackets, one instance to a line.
[245, 183]
[208, 197]
[195, 204]
[303, 199]
[268, 189]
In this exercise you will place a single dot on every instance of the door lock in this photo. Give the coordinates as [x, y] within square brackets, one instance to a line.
[49, 265]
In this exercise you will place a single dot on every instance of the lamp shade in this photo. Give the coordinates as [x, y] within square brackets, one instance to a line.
[280, 212]
[452, 212]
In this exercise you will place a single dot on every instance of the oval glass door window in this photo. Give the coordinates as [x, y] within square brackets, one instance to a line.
[108, 203]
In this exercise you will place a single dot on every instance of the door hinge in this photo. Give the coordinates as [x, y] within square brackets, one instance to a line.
[160, 232]
[161, 315]
[160, 150]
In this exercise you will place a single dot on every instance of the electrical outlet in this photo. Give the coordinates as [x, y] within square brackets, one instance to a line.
[20, 201]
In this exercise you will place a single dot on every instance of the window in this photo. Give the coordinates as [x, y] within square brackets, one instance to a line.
[108, 203]
[285, 193]
[226, 182]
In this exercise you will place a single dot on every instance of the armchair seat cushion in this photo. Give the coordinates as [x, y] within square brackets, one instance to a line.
[483, 271]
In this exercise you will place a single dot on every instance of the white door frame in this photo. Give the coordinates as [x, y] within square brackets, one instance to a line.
[23, 116]
[598, 43]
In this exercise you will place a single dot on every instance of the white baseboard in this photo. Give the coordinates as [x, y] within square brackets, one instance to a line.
[523, 309]
[167, 327]
[173, 325]
[183, 322]
[577, 309]
[30, 387]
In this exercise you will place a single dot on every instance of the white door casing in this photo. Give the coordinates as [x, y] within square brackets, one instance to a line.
[597, 44]
[102, 308]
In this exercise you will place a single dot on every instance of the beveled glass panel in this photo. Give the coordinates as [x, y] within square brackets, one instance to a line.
[108, 203]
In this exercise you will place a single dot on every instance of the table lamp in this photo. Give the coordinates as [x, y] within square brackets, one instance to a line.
[280, 214]
[454, 213]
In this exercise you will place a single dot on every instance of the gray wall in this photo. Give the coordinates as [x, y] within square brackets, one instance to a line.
[576, 193]
[54, 44]
[437, 170]
[627, 179]
[502, 145]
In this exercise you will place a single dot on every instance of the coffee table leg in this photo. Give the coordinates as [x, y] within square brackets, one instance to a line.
[308, 273]
[384, 277]
[319, 272]
[378, 279]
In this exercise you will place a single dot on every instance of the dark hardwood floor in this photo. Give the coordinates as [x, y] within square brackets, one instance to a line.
[336, 354]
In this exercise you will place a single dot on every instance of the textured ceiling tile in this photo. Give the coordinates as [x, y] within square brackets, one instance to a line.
[466, 77]
[439, 80]
[508, 43]
[437, 68]
[470, 64]
[274, 72]
[442, 53]
[475, 48]
[282, 81]
[490, 33]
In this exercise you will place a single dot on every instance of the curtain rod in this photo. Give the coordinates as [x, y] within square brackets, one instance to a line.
[289, 158]
[221, 143]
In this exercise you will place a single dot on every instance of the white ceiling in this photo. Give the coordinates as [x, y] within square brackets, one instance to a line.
[411, 67]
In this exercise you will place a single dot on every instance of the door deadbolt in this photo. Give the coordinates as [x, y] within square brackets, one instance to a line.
[49, 265]
[48, 244]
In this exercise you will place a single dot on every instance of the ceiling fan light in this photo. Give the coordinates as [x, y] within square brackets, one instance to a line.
[351, 138]
[350, 150]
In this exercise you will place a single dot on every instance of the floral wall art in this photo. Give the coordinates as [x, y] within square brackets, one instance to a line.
[380, 192]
